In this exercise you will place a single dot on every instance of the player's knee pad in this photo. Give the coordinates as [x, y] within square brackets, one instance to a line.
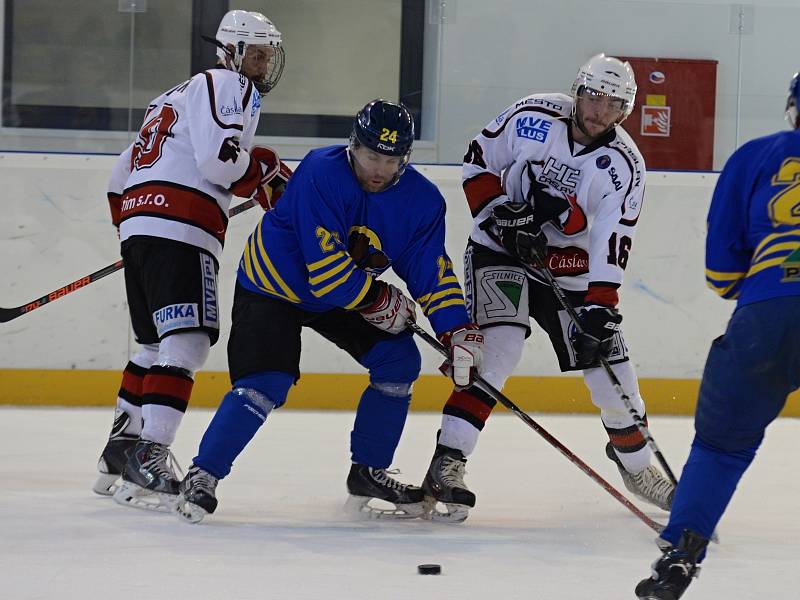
[397, 361]
[146, 356]
[186, 350]
[502, 351]
[613, 410]
[270, 385]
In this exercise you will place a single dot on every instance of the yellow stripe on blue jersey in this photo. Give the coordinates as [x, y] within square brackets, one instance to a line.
[361, 294]
[328, 273]
[319, 292]
[256, 260]
[724, 284]
[325, 261]
[431, 302]
[774, 250]
[766, 245]
[253, 270]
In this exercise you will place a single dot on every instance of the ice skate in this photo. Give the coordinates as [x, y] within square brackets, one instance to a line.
[111, 463]
[674, 571]
[444, 483]
[149, 479]
[196, 497]
[366, 484]
[648, 484]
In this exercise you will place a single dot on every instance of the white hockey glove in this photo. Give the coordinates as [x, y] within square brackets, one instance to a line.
[466, 354]
[391, 309]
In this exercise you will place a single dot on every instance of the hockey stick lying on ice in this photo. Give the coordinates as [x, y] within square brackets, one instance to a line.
[505, 401]
[7, 314]
[615, 382]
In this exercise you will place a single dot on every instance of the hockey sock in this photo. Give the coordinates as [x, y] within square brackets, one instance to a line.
[240, 414]
[463, 418]
[706, 486]
[380, 418]
[165, 397]
[630, 446]
[128, 416]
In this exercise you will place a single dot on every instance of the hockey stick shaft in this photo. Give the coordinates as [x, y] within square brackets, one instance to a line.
[7, 314]
[615, 382]
[568, 454]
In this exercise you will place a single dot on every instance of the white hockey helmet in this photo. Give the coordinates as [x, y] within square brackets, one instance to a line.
[609, 76]
[242, 28]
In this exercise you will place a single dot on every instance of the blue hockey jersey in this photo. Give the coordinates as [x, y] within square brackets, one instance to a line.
[301, 251]
[753, 243]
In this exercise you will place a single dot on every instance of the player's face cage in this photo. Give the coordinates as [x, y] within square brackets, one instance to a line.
[249, 58]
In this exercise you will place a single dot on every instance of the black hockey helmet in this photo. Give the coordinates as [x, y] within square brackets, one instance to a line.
[384, 127]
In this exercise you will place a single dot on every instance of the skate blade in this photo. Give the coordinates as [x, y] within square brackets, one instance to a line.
[453, 513]
[189, 512]
[106, 484]
[358, 507]
[130, 494]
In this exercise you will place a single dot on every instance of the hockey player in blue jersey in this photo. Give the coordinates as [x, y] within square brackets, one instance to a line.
[752, 255]
[348, 214]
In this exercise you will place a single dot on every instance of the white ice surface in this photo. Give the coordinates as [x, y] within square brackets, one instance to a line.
[541, 529]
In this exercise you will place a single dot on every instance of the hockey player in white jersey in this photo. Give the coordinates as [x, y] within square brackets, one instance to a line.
[169, 195]
[555, 173]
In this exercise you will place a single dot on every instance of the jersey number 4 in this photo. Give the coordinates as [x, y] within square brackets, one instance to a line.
[152, 135]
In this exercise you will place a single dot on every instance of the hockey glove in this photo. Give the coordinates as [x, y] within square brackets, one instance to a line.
[390, 310]
[275, 176]
[466, 354]
[265, 178]
[599, 325]
[520, 235]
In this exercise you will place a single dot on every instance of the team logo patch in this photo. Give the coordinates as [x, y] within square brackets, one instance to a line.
[657, 77]
[210, 308]
[791, 267]
[603, 162]
[533, 128]
[501, 292]
[256, 105]
[175, 316]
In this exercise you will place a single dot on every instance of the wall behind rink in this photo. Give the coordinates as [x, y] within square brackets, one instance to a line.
[54, 228]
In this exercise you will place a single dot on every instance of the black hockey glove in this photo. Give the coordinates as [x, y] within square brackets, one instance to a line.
[599, 325]
[519, 233]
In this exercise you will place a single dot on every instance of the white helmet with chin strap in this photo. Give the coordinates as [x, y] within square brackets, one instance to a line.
[241, 28]
[608, 76]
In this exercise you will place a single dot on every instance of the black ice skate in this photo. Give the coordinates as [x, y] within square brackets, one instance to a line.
[149, 480]
[112, 462]
[674, 571]
[649, 484]
[365, 484]
[444, 483]
[197, 495]
[114, 456]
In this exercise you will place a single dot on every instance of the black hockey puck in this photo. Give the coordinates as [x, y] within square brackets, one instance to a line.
[429, 569]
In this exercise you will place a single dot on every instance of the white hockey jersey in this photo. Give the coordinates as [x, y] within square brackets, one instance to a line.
[603, 182]
[177, 179]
